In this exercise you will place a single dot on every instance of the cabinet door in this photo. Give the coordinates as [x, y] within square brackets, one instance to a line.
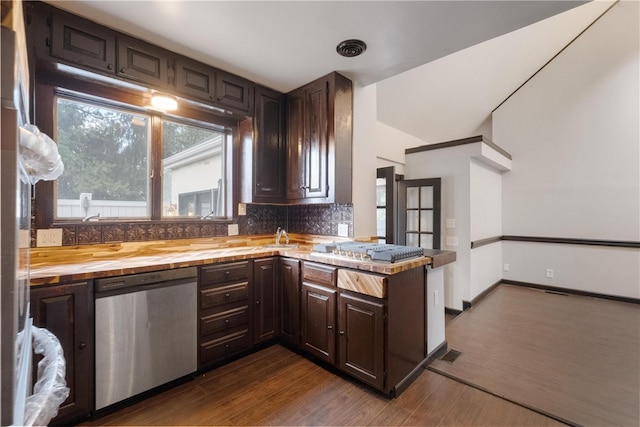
[290, 300]
[83, 43]
[361, 338]
[143, 62]
[195, 80]
[318, 321]
[269, 147]
[295, 141]
[264, 295]
[233, 91]
[67, 311]
[316, 140]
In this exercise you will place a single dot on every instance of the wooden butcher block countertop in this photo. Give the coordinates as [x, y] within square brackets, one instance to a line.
[77, 263]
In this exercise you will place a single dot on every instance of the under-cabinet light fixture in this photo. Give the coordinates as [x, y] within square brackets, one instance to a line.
[164, 102]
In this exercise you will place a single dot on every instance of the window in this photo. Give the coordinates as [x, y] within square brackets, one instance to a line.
[112, 156]
[106, 157]
[193, 170]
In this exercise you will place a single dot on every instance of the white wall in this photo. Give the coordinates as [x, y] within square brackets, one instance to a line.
[452, 165]
[485, 263]
[374, 145]
[574, 133]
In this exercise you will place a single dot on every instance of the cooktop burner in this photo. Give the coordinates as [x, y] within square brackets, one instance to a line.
[370, 251]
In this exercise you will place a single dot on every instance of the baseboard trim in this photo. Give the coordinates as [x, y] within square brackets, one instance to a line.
[437, 353]
[468, 304]
[452, 311]
[570, 291]
[406, 381]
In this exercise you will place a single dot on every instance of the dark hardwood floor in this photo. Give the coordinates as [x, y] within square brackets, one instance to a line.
[276, 386]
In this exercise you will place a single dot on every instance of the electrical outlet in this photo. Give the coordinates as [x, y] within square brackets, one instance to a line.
[24, 239]
[549, 273]
[343, 230]
[232, 229]
[505, 267]
[242, 209]
[49, 237]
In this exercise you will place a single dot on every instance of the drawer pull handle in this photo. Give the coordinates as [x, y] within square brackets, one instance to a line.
[227, 295]
[226, 321]
[329, 327]
[341, 332]
[226, 346]
[226, 273]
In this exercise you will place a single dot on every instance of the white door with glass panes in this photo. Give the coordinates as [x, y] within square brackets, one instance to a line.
[419, 213]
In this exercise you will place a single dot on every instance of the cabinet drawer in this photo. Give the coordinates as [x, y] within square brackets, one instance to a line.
[219, 349]
[319, 273]
[363, 283]
[224, 321]
[224, 295]
[224, 273]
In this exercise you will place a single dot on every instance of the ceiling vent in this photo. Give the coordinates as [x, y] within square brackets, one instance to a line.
[351, 48]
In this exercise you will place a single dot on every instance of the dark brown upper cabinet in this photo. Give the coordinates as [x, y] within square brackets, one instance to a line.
[83, 43]
[195, 80]
[319, 141]
[143, 62]
[233, 91]
[269, 146]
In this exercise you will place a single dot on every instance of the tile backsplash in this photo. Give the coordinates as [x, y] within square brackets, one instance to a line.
[260, 219]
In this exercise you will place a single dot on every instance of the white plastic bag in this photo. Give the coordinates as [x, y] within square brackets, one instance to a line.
[51, 388]
[39, 157]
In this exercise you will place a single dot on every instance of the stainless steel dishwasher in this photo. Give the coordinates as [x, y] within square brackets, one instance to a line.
[146, 332]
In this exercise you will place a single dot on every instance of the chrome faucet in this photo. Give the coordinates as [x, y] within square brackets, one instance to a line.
[282, 232]
[208, 215]
[87, 218]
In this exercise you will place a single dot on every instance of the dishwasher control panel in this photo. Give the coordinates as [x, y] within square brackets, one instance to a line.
[131, 280]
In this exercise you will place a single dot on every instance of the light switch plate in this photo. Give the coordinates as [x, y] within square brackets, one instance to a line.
[233, 229]
[450, 223]
[451, 241]
[242, 209]
[49, 237]
[343, 230]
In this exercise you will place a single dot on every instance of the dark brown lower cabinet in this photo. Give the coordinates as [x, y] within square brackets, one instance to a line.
[289, 300]
[319, 321]
[224, 311]
[265, 294]
[67, 311]
[361, 330]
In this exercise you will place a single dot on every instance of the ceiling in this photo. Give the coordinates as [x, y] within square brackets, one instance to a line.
[284, 44]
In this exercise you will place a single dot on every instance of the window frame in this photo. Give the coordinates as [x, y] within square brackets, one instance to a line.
[49, 82]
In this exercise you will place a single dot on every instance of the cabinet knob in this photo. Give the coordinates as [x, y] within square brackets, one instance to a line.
[226, 346]
[258, 302]
[329, 327]
[341, 332]
[109, 67]
[123, 70]
[227, 295]
[226, 321]
[226, 273]
[82, 345]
